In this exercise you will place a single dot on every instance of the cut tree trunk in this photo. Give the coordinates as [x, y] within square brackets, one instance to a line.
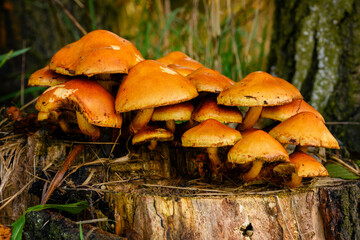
[328, 209]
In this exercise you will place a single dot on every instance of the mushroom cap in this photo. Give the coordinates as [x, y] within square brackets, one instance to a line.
[210, 109]
[181, 69]
[259, 89]
[303, 164]
[45, 77]
[283, 112]
[177, 112]
[179, 58]
[304, 129]
[98, 52]
[209, 80]
[151, 84]
[210, 133]
[149, 133]
[257, 145]
[85, 96]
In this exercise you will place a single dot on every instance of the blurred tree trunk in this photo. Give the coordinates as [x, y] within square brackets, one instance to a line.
[316, 46]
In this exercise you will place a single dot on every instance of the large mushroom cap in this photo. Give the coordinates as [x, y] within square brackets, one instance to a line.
[151, 84]
[283, 112]
[257, 145]
[209, 109]
[45, 77]
[210, 133]
[177, 112]
[304, 129]
[179, 58]
[181, 69]
[208, 80]
[259, 89]
[98, 52]
[86, 97]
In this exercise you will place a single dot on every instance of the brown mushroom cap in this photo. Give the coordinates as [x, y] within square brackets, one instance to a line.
[151, 84]
[210, 133]
[179, 58]
[257, 145]
[259, 89]
[98, 52]
[307, 166]
[210, 109]
[181, 69]
[177, 112]
[304, 129]
[283, 112]
[86, 97]
[208, 80]
[45, 77]
[149, 133]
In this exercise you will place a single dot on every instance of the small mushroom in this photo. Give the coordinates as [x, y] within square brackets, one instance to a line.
[172, 113]
[45, 77]
[151, 84]
[153, 135]
[179, 58]
[283, 112]
[256, 147]
[211, 134]
[256, 90]
[304, 129]
[301, 165]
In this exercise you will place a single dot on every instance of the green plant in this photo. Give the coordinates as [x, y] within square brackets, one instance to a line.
[73, 208]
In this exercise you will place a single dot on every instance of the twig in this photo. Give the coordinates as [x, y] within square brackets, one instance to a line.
[182, 188]
[342, 123]
[17, 194]
[355, 170]
[28, 104]
[77, 24]
[93, 221]
[22, 77]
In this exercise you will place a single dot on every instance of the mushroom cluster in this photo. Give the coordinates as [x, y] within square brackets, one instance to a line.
[102, 78]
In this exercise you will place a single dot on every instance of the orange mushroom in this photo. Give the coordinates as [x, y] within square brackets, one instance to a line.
[211, 134]
[179, 58]
[153, 135]
[257, 147]
[256, 90]
[45, 77]
[151, 84]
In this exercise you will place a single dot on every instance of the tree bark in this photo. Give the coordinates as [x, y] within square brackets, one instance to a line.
[315, 45]
[329, 210]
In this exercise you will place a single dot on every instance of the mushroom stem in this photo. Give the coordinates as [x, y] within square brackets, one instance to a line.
[251, 118]
[152, 145]
[215, 161]
[87, 128]
[170, 125]
[301, 148]
[253, 172]
[141, 119]
[295, 181]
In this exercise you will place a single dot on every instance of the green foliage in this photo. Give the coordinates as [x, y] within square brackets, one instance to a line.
[338, 171]
[73, 208]
[80, 232]
[11, 54]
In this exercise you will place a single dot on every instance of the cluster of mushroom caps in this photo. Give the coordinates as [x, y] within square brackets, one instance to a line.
[99, 78]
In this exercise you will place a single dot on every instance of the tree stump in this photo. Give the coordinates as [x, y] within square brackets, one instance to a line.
[326, 209]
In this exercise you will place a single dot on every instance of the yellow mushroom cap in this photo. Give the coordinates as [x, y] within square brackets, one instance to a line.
[179, 58]
[209, 80]
[98, 52]
[304, 129]
[283, 112]
[257, 145]
[259, 89]
[45, 77]
[149, 133]
[181, 69]
[209, 109]
[151, 84]
[210, 133]
[303, 165]
[84, 96]
[177, 112]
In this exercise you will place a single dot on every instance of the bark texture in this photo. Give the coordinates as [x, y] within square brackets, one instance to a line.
[315, 45]
[328, 211]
